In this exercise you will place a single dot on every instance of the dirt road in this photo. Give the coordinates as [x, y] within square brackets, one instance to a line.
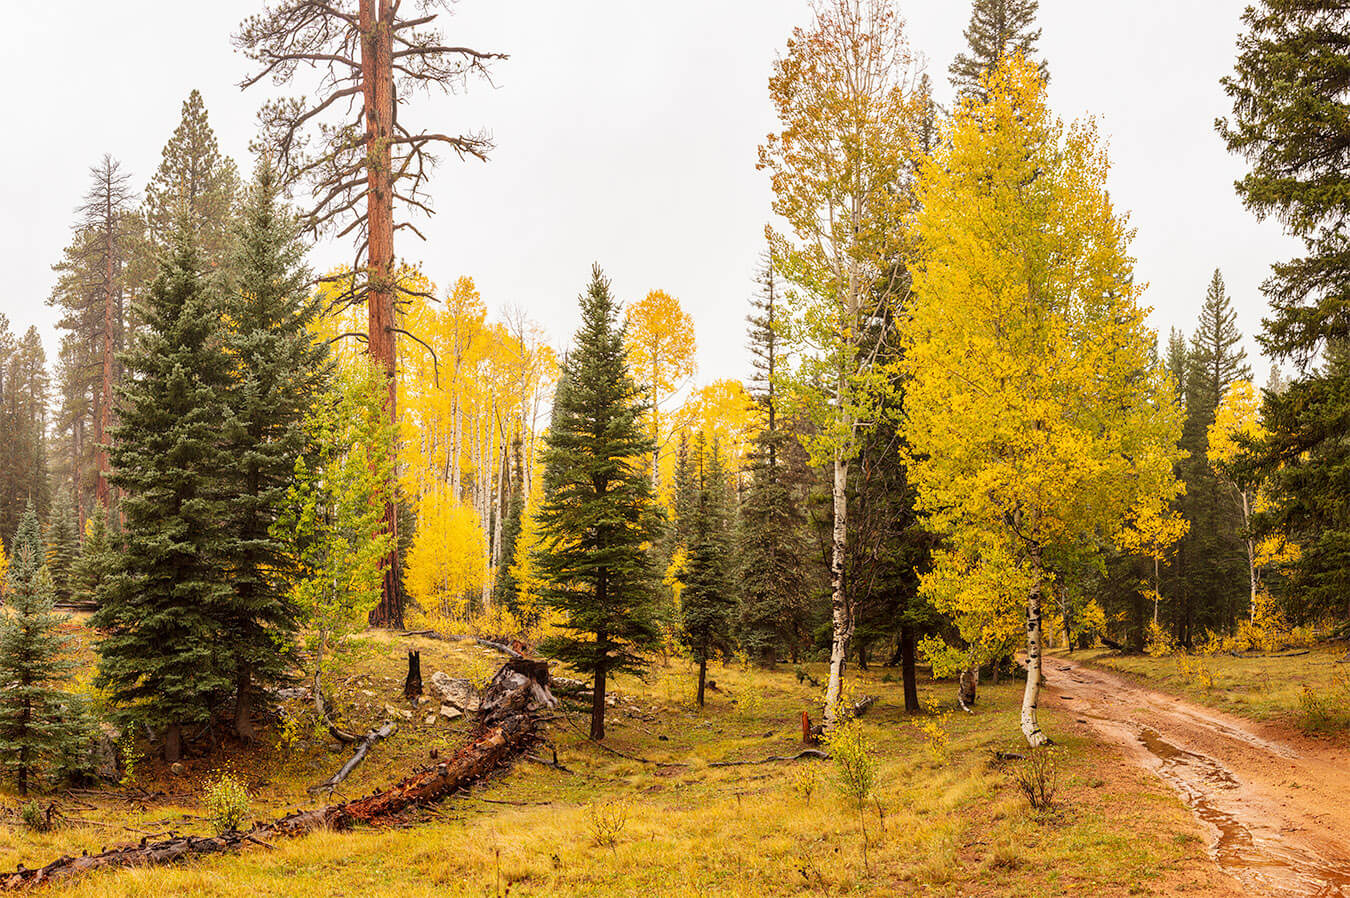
[1278, 809]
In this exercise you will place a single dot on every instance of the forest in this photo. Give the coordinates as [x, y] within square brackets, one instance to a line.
[336, 579]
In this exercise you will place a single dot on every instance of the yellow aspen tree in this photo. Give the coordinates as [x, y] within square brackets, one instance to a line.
[847, 97]
[1154, 532]
[1237, 420]
[1037, 419]
[659, 342]
[445, 564]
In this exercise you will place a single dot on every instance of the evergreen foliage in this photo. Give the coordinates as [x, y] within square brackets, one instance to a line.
[1211, 559]
[278, 371]
[33, 664]
[23, 421]
[506, 590]
[97, 561]
[707, 602]
[193, 187]
[163, 618]
[597, 515]
[1290, 114]
[63, 546]
[997, 28]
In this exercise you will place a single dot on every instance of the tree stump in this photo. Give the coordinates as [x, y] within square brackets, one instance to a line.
[412, 686]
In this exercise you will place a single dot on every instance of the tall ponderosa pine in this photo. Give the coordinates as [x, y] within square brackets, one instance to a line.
[194, 187]
[279, 370]
[597, 517]
[1291, 121]
[1211, 553]
[63, 546]
[23, 422]
[997, 28]
[164, 656]
[707, 603]
[33, 663]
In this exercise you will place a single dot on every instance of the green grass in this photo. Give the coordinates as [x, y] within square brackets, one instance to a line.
[944, 822]
[1261, 688]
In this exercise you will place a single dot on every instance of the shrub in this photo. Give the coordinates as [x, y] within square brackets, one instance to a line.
[607, 821]
[227, 802]
[1037, 776]
[855, 771]
[1195, 669]
[35, 818]
[1157, 641]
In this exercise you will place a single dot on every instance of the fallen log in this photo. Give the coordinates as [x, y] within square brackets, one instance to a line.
[807, 754]
[461, 637]
[861, 705]
[505, 731]
[362, 747]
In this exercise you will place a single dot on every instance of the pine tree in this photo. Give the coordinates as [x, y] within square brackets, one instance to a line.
[279, 370]
[1211, 554]
[771, 535]
[707, 603]
[194, 187]
[23, 422]
[1289, 114]
[164, 656]
[33, 663]
[597, 515]
[96, 562]
[506, 591]
[63, 546]
[997, 28]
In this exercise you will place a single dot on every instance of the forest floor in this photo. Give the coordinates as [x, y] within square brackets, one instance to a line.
[947, 819]
[1272, 797]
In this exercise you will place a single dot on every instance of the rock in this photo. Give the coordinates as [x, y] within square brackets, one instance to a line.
[568, 686]
[177, 768]
[292, 693]
[457, 692]
[398, 712]
[431, 720]
[450, 712]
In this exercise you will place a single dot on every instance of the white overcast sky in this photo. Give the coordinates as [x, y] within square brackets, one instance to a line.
[626, 134]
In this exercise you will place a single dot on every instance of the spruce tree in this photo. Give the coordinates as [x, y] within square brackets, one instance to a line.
[707, 604]
[597, 515]
[771, 539]
[63, 546]
[279, 371]
[164, 655]
[97, 561]
[997, 28]
[506, 590]
[34, 661]
[1211, 554]
[1290, 110]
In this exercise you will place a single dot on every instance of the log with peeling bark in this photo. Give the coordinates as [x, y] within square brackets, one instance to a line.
[357, 757]
[507, 727]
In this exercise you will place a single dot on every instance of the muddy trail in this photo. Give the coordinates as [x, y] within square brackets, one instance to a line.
[1277, 807]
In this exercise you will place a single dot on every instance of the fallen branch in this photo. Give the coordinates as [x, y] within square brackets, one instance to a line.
[364, 746]
[502, 735]
[861, 705]
[806, 754]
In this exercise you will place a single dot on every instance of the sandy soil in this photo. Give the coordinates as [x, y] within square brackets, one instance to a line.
[1276, 804]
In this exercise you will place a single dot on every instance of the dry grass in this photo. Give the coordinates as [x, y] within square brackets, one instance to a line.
[950, 825]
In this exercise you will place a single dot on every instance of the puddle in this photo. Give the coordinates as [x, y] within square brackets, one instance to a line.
[1255, 860]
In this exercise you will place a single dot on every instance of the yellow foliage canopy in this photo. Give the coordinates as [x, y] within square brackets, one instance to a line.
[445, 567]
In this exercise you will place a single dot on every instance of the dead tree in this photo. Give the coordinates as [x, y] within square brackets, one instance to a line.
[344, 140]
[412, 685]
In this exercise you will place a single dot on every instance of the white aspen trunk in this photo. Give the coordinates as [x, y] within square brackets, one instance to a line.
[839, 607]
[1251, 556]
[490, 544]
[1157, 589]
[1030, 727]
[456, 435]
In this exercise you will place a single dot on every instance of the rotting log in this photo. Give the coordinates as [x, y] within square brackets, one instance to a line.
[505, 728]
[799, 756]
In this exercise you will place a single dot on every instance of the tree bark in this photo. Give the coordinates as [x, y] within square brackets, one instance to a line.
[908, 669]
[173, 743]
[1030, 727]
[243, 704]
[598, 692]
[412, 684]
[702, 679]
[376, 20]
[841, 613]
